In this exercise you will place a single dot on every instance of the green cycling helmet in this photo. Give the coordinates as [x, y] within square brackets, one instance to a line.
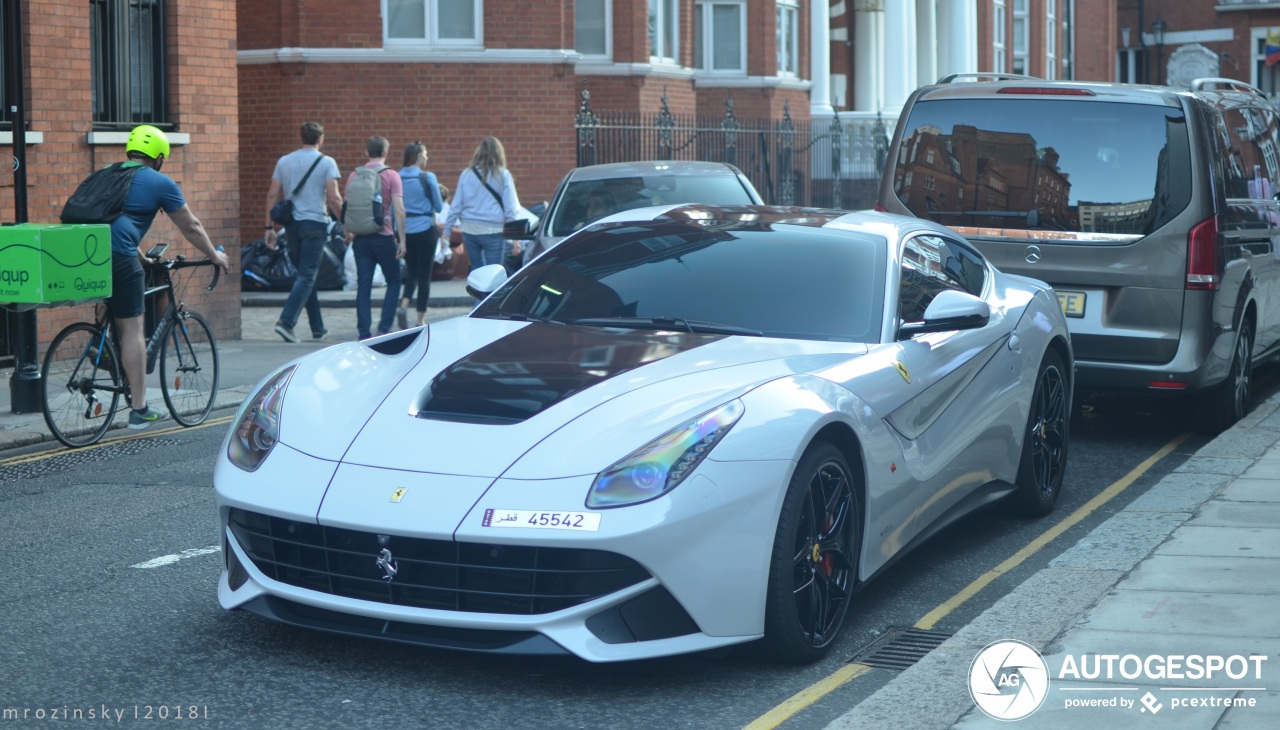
[149, 141]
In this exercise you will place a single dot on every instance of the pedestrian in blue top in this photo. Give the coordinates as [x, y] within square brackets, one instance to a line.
[150, 192]
[421, 203]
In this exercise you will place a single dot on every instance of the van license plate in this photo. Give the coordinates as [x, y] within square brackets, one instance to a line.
[1072, 303]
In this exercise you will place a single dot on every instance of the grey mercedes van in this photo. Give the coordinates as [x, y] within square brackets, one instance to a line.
[1151, 210]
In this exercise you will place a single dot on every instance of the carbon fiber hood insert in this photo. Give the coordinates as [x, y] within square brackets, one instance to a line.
[518, 376]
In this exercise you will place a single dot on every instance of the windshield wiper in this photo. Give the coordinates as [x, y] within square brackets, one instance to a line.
[522, 317]
[689, 325]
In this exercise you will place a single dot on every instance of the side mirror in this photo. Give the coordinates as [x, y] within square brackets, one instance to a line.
[485, 280]
[517, 230]
[950, 310]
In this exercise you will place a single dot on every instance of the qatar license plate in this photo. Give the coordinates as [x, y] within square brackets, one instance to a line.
[1072, 303]
[531, 519]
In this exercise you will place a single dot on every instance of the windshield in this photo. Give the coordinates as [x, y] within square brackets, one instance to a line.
[1080, 166]
[777, 280]
[585, 201]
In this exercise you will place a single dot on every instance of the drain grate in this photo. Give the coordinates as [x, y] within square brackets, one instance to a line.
[898, 649]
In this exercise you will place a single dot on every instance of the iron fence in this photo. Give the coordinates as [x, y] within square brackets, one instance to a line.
[826, 162]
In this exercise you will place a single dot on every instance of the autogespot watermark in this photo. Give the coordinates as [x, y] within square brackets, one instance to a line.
[1009, 680]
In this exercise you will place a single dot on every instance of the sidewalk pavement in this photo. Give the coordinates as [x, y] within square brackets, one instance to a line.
[246, 361]
[1192, 567]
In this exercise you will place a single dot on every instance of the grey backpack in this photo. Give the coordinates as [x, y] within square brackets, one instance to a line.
[362, 211]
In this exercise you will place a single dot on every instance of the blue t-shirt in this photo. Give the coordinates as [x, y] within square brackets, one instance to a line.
[421, 202]
[150, 193]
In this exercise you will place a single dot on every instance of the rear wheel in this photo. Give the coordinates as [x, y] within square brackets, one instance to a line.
[188, 368]
[1229, 402]
[81, 383]
[1044, 444]
[813, 569]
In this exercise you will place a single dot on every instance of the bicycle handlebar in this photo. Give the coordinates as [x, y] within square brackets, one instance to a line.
[181, 262]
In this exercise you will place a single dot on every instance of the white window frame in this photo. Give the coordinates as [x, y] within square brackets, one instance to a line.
[1021, 50]
[1051, 40]
[608, 32]
[704, 28]
[999, 39]
[657, 53]
[431, 33]
[789, 67]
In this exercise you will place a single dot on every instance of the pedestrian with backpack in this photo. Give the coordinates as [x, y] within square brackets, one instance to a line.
[374, 219]
[304, 188]
[149, 192]
[421, 203]
[484, 199]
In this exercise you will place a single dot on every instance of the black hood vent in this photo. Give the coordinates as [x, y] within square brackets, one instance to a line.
[518, 376]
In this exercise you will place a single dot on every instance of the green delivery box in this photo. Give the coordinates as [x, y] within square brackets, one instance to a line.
[42, 263]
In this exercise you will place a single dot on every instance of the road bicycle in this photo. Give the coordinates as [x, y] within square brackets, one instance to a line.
[83, 379]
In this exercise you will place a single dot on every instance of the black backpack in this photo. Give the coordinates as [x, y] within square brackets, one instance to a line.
[100, 198]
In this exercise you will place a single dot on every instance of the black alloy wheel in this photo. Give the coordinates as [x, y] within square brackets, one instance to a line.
[1044, 446]
[813, 569]
[1229, 402]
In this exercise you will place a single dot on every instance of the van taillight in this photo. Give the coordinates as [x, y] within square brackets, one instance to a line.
[1202, 256]
[880, 207]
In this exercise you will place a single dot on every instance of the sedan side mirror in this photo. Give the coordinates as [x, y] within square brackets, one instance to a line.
[950, 310]
[485, 280]
[517, 230]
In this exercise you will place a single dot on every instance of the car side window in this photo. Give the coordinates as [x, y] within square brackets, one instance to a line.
[1247, 137]
[931, 265]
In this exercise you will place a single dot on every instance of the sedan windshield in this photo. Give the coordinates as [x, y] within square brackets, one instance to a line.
[730, 277]
[587, 201]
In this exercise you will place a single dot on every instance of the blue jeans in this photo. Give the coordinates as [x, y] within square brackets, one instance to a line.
[305, 245]
[484, 248]
[370, 251]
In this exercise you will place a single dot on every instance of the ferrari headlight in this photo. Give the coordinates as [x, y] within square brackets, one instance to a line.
[258, 428]
[660, 465]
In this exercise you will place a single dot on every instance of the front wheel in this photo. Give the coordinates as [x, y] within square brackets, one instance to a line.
[1044, 443]
[81, 385]
[813, 569]
[188, 368]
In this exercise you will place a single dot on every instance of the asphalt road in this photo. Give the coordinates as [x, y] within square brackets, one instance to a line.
[86, 629]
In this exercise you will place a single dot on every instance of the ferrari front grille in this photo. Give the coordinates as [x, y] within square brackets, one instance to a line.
[421, 573]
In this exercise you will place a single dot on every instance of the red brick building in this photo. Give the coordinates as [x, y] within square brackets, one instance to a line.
[95, 69]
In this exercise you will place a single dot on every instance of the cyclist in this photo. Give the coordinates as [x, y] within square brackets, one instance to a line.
[150, 192]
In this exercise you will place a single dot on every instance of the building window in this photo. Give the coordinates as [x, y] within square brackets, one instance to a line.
[592, 26]
[664, 27]
[788, 38]
[437, 22]
[1051, 41]
[128, 51]
[998, 38]
[1020, 42]
[719, 34]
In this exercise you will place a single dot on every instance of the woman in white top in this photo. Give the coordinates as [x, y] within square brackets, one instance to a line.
[483, 200]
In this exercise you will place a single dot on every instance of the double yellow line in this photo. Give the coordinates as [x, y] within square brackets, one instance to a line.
[811, 694]
[41, 456]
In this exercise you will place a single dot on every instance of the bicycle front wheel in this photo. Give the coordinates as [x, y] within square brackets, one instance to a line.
[188, 368]
[82, 385]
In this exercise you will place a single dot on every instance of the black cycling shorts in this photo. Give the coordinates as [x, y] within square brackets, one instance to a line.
[127, 285]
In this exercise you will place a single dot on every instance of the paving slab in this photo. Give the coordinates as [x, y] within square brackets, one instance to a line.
[1238, 514]
[1224, 541]
[1187, 614]
[1055, 712]
[1214, 465]
[1088, 639]
[1246, 489]
[1250, 443]
[1266, 712]
[1255, 576]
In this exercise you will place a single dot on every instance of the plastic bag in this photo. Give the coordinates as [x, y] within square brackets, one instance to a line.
[443, 253]
[265, 269]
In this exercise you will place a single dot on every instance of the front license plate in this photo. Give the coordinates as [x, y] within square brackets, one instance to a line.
[1072, 303]
[530, 519]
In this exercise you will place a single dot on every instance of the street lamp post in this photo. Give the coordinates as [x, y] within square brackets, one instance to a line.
[1157, 32]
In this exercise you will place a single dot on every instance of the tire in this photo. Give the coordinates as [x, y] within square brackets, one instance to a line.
[80, 398]
[1228, 402]
[812, 572]
[189, 368]
[1044, 443]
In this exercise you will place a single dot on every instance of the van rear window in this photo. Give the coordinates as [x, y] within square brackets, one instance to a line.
[1045, 165]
